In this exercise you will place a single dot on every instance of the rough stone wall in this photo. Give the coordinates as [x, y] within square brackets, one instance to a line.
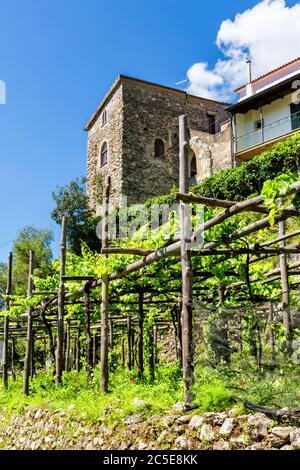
[112, 133]
[152, 112]
[149, 114]
[213, 152]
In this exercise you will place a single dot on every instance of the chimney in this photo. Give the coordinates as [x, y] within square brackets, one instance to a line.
[249, 63]
[249, 86]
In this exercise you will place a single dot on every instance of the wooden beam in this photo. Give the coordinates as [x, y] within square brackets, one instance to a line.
[282, 238]
[190, 198]
[78, 278]
[255, 227]
[212, 202]
[127, 251]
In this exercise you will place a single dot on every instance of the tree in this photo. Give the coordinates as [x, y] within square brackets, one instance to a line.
[72, 201]
[38, 240]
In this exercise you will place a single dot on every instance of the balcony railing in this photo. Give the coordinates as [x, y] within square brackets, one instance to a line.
[268, 132]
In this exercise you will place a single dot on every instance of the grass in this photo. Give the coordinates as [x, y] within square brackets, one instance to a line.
[213, 390]
[75, 396]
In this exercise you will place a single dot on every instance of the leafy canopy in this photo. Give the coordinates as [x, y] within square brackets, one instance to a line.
[72, 201]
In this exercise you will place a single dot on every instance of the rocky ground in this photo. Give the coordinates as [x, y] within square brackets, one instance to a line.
[38, 428]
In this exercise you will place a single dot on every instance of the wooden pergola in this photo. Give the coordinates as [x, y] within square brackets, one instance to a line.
[50, 313]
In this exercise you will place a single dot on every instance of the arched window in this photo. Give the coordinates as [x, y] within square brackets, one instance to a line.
[193, 167]
[159, 148]
[104, 154]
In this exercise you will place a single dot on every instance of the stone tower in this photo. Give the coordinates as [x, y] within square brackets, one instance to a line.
[133, 137]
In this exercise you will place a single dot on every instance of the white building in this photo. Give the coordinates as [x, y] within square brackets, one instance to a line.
[268, 110]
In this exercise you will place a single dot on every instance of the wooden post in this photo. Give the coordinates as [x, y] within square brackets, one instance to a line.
[272, 333]
[223, 350]
[13, 357]
[77, 357]
[123, 353]
[94, 338]
[88, 337]
[129, 349]
[104, 335]
[111, 335]
[133, 351]
[179, 329]
[29, 337]
[45, 353]
[155, 331]
[151, 354]
[5, 351]
[285, 290]
[140, 335]
[259, 341]
[105, 295]
[186, 267]
[61, 303]
[32, 366]
[68, 346]
[241, 346]
[74, 344]
[6, 323]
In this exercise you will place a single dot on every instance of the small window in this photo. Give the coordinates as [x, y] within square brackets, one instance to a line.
[159, 148]
[258, 124]
[104, 117]
[211, 123]
[104, 154]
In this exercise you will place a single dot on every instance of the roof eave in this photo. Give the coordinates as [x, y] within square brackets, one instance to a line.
[258, 96]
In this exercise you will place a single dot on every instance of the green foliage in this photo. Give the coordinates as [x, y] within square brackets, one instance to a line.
[72, 201]
[275, 190]
[214, 387]
[31, 238]
[98, 182]
[213, 396]
[3, 280]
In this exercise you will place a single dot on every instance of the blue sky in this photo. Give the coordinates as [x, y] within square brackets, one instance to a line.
[58, 58]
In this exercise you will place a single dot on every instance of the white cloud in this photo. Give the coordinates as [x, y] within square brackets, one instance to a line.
[203, 80]
[268, 33]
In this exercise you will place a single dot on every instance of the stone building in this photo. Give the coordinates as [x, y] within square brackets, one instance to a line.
[133, 137]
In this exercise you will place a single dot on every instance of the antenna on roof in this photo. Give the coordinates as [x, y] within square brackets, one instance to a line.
[249, 64]
[182, 81]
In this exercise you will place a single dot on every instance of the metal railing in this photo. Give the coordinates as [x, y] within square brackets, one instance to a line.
[268, 132]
